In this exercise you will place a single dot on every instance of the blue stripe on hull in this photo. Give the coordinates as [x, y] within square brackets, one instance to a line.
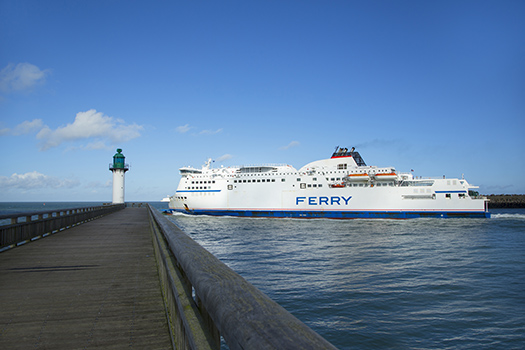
[337, 214]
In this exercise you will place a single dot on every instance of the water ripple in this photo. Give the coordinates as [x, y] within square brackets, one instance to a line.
[385, 284]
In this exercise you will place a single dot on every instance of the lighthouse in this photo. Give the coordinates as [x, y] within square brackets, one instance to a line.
[119, 168]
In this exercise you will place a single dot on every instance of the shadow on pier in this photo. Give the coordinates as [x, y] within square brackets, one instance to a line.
[129, 279]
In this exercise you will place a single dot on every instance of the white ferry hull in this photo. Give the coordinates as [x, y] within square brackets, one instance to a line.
[282, 191]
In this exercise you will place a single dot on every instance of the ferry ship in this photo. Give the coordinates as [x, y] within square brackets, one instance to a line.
[341, 187]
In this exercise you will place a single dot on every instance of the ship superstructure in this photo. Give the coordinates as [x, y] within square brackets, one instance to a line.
[341, 187]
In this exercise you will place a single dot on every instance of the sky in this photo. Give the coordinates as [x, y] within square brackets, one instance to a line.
[437, 87]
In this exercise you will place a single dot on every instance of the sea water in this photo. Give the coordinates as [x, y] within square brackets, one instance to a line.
[384, 284]
[377, 284]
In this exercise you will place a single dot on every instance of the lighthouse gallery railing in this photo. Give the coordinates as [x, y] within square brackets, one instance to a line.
[25, 227]
[206, 299]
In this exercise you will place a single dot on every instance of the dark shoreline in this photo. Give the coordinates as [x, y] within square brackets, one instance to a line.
[506, 200]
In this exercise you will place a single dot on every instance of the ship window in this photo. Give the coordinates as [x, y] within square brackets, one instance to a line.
[332, 179]
[230, 187]
[314, 179]
[298, 179]
[263, 180]
[273, 180]
[244, 181]
[461, 195]
[303, 185]
[341, 166]
[283, 180]
[447, 195]
[258, 180]
[309, 185]
[320, 185]
[249, 180]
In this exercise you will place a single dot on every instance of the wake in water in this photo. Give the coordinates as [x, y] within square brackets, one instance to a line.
[517, 216]
[176, 213]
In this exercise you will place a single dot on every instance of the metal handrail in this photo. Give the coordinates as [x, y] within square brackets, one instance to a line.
[27, 226]
[242, 314]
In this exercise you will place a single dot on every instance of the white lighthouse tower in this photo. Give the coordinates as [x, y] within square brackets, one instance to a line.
[118, 168]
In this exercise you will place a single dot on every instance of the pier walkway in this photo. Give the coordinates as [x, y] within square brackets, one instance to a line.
[93, 285]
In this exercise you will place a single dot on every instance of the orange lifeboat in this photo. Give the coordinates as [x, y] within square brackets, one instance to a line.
[386, 176]
[358, 177]
[338, 185]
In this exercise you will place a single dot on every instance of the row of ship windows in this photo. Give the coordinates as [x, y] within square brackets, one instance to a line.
[271, 180]
[258, 180]
[303, 185]
[460, 195]
[282, 180]
[275, 174]
[328, 172]
[263, 180]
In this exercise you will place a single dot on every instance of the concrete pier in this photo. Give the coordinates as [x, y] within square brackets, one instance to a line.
[94, 285]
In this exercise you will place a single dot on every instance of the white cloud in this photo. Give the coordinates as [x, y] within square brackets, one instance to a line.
[23, 76]
[97, 145]
[33, 180]
[28, 127]
[183, 128]
[210, 132]
[91, 125]
[290, 145]
[224, 157]
[97, 185]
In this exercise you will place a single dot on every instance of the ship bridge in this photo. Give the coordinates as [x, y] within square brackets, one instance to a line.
[189, 171]
[344, 152]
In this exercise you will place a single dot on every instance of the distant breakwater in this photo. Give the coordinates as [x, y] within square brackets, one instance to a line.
[506, 200]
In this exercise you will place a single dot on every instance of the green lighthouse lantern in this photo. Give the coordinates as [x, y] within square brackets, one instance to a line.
[118, 160]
